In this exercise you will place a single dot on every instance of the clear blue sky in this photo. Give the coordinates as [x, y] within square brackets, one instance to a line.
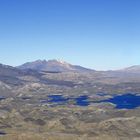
[100, 34]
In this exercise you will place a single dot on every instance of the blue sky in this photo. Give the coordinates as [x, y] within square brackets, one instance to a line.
[99, 34]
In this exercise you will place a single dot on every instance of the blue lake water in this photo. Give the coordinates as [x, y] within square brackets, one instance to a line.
[57, 98]
[125, 101]
[60, 99]
[2, 133]
[82, 100]
[2, 98]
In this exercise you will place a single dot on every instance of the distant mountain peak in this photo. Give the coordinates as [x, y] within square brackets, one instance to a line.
[39, 61]
[132, 69]
[57, 61]
[56, 65]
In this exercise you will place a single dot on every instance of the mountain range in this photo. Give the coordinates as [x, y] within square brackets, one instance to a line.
[41, 71]
[62, 66]
[53, 66]
[56, 66]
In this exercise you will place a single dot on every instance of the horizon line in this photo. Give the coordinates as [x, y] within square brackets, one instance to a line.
[121, 68]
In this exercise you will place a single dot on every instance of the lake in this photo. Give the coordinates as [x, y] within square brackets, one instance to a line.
[2, 98]
[2, 133]
[82, 100]
[125, 101]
